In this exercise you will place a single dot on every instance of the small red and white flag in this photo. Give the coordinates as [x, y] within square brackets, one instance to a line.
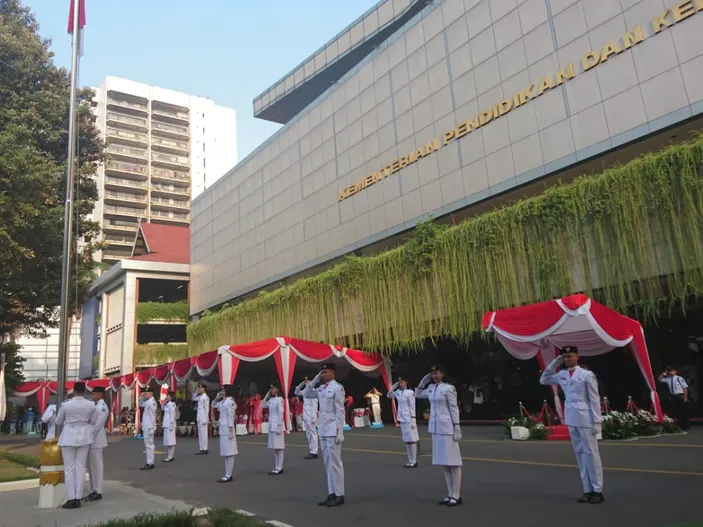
[81, 22]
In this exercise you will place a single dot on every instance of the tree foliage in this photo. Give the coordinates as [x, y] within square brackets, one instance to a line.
[34, 105]
[13, 364]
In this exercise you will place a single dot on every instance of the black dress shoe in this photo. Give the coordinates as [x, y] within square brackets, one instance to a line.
[327, 500]
[453, 502]
[224, 480]
[311, 456]
[202, 453]
[596, 498]
[410, 465]
[585, 498]
[336, 501]
[70, 504]
[444, 501]
[147, 467]
[94, 496]
[167, 460]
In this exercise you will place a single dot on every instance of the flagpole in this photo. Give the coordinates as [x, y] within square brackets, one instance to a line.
[64, 315]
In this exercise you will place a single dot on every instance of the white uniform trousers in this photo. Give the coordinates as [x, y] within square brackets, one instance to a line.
[95, 469]
[202, 436]
[585, 445]
[376, 407]
[74, 467]
[311, 435]
[332, 456]
[149, 444]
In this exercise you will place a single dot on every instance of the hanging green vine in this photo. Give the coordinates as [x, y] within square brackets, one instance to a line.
[168, 311]
[630, 237]
[155, 354]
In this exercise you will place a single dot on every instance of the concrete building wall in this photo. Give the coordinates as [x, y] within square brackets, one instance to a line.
[279, 211]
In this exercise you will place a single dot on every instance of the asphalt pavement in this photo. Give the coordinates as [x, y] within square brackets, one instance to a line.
[655, 482]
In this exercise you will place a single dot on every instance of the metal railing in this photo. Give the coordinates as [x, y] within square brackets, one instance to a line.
[166, 158]
[131, 136]
[126, 167]
[162, 187]
[126, 151]
[169, 128]
[119, 239]
[169, 113]
[169, 201]
[172, 174]
[158, 141]
[119, 209]
[170, 215]
[125, 195]
[125, 182]
[111, 116]
[128, 104]
[120, 224]
[114, 257]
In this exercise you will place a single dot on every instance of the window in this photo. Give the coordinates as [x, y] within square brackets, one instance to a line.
[203, 162]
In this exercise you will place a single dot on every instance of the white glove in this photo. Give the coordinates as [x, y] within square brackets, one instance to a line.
[425, 380]
[231, 435]
[457, 432]
[413, 424]
[315, 379]
[395, 386]
[340, 437]
[597, 429]
[559, 360]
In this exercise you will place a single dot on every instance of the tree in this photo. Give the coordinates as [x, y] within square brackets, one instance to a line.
[13, 364]
[34, 104]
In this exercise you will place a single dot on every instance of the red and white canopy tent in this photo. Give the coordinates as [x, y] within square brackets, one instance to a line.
[539, 330]
[226, 360]
[44, 389]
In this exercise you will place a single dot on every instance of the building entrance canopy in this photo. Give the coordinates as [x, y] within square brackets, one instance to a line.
[539, 330]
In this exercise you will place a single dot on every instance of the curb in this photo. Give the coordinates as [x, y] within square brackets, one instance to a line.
[24, 484]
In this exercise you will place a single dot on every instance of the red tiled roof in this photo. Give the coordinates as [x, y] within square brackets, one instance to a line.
[165, 243]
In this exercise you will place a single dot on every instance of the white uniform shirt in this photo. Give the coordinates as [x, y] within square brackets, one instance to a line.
[331, 397]
[444, 411]
[227, 408]
[406, 404]
[275, 406]
[99, 436]
[203, 409]
[582, 404]
[149, 416]
[676, 384]
[77, 417]
[309, 407]
[375, 398]
[49, 418]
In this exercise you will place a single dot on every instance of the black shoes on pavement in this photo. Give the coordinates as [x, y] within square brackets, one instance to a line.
[594, 498]
[311, 456]
[202, 453]
[147, 467]
[72, 504]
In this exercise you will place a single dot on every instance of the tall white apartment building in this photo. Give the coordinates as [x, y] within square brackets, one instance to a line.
[164, 148]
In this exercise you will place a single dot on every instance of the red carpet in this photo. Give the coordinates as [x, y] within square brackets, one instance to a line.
[559, 433]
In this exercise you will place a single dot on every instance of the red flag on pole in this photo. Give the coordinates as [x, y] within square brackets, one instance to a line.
[81, 15]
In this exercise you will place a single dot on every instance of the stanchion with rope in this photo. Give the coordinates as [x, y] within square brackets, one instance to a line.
[52, 487]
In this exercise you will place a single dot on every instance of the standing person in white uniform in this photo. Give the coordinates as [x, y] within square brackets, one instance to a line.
[148, 402]
[445, 429]
[224, 402]
[203, 419]
[77, 418]
[583, 417]
[406, 417]
[374, 398]
[309, 419]
[95, 455]
[331, 429]
[274, 402]
[49, 419]
[168, 423]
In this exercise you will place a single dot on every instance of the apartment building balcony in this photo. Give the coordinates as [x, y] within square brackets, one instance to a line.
[119, 104]
[169, 145]
[129, 170]
[127, 121]
[171, 204]
[169, 160]
[177, 177]
[125, 198]
[171, 218]
[127, 153]
[170, 190]
[121, 241]
[120, 227]
[127, 137]
[112, 258]
[173, 114]
[117, 183]
[169, 130]
[124, 211]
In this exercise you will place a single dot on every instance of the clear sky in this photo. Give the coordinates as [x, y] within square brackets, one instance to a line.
[227, 50]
